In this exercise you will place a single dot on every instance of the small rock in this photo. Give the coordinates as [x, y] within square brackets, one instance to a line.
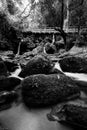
[50, 49]
[37, 50]
[6, 99]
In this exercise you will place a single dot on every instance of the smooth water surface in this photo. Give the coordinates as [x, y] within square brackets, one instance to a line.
[19, 118]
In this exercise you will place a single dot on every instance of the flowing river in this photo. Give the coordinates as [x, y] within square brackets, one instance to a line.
[18, 117]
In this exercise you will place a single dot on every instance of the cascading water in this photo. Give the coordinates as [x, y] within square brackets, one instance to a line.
[18, 52]
[78, 76]
[66, 21]
[53, 39]
[16, 72]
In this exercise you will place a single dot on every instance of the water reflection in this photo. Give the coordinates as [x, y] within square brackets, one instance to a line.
[19, 118]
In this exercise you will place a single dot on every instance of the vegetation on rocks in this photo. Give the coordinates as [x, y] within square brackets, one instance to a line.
[37, 65]
[46, 90]
[74, 64]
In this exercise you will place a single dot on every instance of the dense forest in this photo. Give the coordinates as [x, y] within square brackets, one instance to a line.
[17, 16]
[43, 64]
[27, 14]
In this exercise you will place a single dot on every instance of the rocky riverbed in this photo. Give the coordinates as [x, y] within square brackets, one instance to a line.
[40, 80]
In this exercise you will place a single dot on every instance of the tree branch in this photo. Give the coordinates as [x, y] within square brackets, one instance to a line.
[32, 7]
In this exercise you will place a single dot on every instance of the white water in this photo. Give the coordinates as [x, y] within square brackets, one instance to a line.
[16, 73]
[57, 65]
[81, 77]
[77, 76]
[53, 39]
[18, 52]
[20, 118]
[66, 21]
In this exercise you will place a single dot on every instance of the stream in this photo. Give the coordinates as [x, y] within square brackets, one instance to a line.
[18, 117]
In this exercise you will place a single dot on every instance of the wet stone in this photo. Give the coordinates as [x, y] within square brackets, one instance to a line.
[46, 90]
[74, 64]
[37, 65]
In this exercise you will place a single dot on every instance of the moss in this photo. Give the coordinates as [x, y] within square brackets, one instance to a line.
[45, 90]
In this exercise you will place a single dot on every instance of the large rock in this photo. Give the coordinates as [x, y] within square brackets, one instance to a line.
[74, 64]
[71, 113]
[8, 83]
[37, 65]
[45, 90]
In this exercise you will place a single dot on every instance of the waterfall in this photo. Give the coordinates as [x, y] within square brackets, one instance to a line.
[53, 39]
[18, 52]
[57, 66]
[66, 21]
[16, 72]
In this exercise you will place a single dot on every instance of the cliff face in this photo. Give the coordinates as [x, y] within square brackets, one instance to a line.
[27, 14]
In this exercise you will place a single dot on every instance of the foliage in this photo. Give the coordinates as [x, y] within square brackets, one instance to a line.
[78, 14]
[77, 17]
[51, 12]
[75, 4]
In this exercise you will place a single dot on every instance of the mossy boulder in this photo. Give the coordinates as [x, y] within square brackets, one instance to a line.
[37, 65]
[74, 64]
[46, 90]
